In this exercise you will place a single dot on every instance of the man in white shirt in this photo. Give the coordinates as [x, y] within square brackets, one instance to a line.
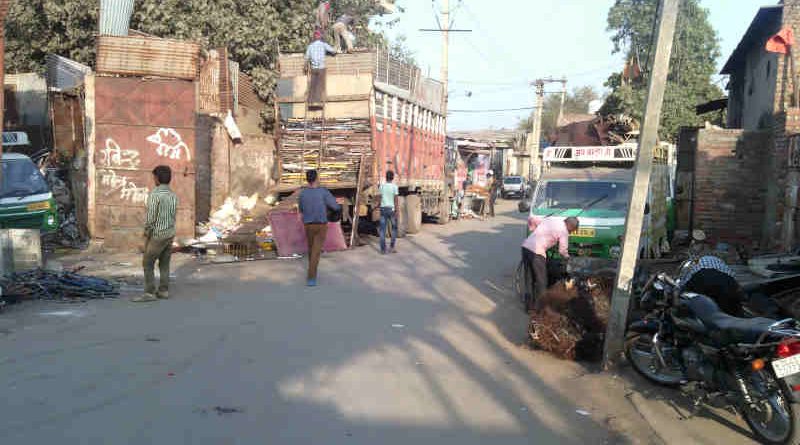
[390, 199]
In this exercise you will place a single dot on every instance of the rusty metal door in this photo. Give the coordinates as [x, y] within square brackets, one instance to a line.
[141, 124]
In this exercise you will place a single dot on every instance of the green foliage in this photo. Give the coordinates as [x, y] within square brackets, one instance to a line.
[254, 31]
[576, 102]
[695, 50]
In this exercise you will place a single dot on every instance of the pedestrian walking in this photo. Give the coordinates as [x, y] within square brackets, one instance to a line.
[390, 203]
[341, 30]
[494, 186]
[159, 231]
[315, 201]
[315, 57]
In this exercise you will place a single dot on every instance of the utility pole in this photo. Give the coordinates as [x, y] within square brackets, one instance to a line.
[620, 300]
[563, 100]
[445, 74]
[445, 27]
[535, 145]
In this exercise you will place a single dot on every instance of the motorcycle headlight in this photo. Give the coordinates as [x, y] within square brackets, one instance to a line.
[51, 220]
[615, 251]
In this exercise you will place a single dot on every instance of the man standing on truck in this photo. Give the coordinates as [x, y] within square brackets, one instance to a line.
[315, 56]
[323, 15]
[341, 29]
[159, 230]
[390, 199]
[314, 204]
[547, 234]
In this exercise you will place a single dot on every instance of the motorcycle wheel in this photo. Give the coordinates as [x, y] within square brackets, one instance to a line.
[639, 351]
[774, 420]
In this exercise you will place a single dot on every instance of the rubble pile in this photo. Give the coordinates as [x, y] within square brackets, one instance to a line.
[69, 234]
[40, 284]
[570, 319]
[228, 218]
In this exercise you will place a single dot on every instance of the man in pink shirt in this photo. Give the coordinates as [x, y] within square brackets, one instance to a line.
[545, 235]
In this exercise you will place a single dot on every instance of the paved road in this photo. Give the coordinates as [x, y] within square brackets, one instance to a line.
[426, 346]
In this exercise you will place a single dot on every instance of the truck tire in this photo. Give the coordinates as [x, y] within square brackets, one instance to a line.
[402, 227]
[413, 214]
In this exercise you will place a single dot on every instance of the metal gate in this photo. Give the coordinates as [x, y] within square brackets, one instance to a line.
[140, 124]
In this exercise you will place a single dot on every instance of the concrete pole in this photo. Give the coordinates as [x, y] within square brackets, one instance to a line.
[563, 99]
[445, 54]
[615, 335]
[534, 146]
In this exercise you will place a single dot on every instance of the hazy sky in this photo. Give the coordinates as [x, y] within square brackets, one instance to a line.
[516, 41]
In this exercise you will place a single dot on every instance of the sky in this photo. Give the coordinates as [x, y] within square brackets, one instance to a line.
[515, 41]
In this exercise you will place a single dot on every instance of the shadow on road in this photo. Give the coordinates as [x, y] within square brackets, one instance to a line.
[415, 347]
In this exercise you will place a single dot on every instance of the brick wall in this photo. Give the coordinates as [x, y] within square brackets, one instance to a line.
[729, 190]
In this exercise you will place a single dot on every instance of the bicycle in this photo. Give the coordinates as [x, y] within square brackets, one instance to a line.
[523, 284]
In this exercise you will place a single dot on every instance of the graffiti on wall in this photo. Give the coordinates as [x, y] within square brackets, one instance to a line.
[114, 156]
[112, 183]
[170, 144]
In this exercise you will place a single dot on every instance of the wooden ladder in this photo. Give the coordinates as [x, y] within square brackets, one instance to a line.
[322, 141]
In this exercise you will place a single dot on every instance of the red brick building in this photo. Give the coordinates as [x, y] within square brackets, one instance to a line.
[740, 183]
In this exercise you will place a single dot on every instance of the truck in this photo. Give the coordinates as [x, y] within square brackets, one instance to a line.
[379, 114]
[594, 184]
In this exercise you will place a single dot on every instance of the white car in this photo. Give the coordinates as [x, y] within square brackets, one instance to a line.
[513, 186]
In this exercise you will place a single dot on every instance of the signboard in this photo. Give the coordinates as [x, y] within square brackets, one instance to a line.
[600, 153]
[592, 153]
[15, 138]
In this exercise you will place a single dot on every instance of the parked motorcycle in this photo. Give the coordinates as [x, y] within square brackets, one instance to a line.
[749, 365]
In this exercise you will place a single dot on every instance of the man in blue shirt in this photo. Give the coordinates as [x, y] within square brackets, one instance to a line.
[314, 204]
[315, 56]
[389, 205]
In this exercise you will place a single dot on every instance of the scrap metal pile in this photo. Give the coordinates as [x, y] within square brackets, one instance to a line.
[60, 286]
[602, 130]
[343, 143]
[570, 319]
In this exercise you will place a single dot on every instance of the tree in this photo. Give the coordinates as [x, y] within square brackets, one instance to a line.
[252, 30]
[576, 102]
[695, 50]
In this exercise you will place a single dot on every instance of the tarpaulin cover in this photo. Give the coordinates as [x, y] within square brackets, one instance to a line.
[290, 235]
[781, 42]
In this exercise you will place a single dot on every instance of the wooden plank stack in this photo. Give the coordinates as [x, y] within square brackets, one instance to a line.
[341, 141]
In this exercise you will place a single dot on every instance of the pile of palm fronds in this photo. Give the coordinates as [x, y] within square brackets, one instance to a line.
[570, 319]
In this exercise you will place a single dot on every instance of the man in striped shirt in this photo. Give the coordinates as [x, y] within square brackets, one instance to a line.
[159, 230]
[710, 276]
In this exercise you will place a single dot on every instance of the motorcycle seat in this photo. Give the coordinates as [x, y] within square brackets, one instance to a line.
[726, 329]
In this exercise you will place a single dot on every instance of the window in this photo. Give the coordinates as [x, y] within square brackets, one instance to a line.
[22, 178]
[769, 68]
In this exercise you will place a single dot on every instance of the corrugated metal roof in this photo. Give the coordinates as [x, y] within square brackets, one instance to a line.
[766, 23]
[65, 74]
[148, 56]
[115, 17]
